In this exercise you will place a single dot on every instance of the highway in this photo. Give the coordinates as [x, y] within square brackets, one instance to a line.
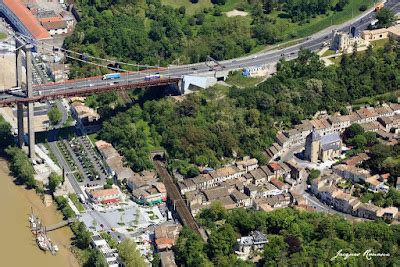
[312, 43]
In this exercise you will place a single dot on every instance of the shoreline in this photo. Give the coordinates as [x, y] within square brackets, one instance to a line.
[19, 201]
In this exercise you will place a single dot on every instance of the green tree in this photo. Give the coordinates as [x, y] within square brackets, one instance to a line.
[83, 236]
[129, 254]
[314, 174]
[359, 141]
[190, 249]
[54, 181]
[385, 17]
[221, 241]
[96, 259]
[353, 130]
[5, 133]
[21, 166]
[55, 115]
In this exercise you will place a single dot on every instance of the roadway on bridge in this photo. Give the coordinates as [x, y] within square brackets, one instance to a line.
[312, 43]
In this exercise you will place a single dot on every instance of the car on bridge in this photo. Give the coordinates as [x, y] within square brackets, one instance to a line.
[152, 77]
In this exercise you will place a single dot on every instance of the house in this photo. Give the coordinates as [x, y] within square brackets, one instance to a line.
[267, 190]
[241, 199]
[55, 27]
[194, 198]
[114, 160]
[267, 171]
[376, 184]
[296, 171]
[278, 169]
[259, 176]
[253, 242]
[251, 190]
[186, 185]
[341, 201]
[226, 173]
[105, 196]
[351, 172]
[389, 213]
[278, 201]
[140, 179]
[384, 33]
[166, 236]
[357, 159]
[367, 210]
[150, 195]
[215, 194]
[372, 126]
[280, 185]
[247, 164]
[84, 113]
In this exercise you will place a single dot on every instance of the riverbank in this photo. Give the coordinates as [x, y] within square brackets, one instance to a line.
[18, 243]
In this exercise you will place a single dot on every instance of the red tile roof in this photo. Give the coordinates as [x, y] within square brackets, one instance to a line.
[110, 201]
[27, 19]
[275, 166]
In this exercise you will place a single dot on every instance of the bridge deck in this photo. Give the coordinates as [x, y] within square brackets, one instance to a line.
[69, 92]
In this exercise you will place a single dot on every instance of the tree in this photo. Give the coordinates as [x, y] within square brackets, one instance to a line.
[5, 133]
[129, 254]
[359, 141]
[96, 259]
[190, 249]
[221, 241]
[83, 236]
[385, 17]
[54, 181]
[352, 131]
[55, 115]
[275, 248]
[21, 166]
[314, 174]
[294, 244]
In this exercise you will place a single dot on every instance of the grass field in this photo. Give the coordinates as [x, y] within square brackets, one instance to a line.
[201, 5]
[190, 8]
[237, 79]
[290, 30]
[321, 22]
[2, 35]
[77, 203]
[379, 43]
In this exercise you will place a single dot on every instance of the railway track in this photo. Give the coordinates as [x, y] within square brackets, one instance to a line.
[176, 198]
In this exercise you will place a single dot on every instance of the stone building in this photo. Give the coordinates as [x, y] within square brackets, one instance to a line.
[322, 148]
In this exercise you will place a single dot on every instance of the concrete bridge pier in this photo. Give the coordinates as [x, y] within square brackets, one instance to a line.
[20, 106]
[27, 48]
[31, 131]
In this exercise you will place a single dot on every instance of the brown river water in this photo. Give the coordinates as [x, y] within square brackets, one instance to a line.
[17, 243]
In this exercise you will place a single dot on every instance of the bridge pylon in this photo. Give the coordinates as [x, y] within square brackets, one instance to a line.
[22, 46]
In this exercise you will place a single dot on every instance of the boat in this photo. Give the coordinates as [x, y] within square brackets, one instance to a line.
[41, 241]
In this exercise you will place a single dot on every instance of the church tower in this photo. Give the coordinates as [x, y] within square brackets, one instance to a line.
[313, 142]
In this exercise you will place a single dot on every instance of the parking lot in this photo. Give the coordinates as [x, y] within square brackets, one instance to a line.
[82, 158]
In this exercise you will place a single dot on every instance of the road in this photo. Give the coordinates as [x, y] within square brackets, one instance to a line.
[313, 201]
[312, 43]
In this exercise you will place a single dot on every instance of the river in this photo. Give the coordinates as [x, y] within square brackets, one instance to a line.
[17, 244]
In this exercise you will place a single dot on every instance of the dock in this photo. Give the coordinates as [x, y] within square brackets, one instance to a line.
[39, 230]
